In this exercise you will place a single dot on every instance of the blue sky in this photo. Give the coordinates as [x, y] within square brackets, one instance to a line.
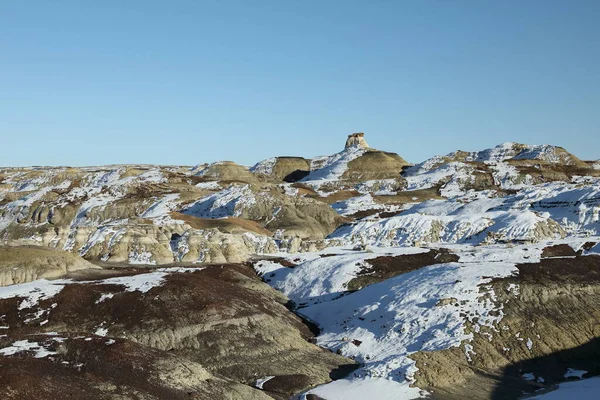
[185, 82]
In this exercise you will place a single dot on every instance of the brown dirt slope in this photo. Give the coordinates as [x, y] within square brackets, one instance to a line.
[375, 164]
[222, 320]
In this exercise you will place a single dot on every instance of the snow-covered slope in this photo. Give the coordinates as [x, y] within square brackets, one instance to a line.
[587, 389]
[264, 167]
[229, 202]
[331, 168]
[432, 308]
[509, 165]
[533, 214]
[503, 152]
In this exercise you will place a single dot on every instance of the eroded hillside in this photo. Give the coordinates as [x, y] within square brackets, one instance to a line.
[470, 275]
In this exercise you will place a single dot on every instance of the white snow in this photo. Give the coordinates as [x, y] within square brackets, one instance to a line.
[333, 167]
[33, 292]
[141, 283]
[101, 332]
[260, 382]
[528, 376]
[452, 174]
[105, 296]
[379, 187]
[322, 277]
[356, 204]
[159, 211]
[507, 176]
[453, 171]
[575, 373]
[264, 167]
[382, 324]
[212, 185]
[586, 389]
[111, 231]
[141, 256]
[399, 316]
[229, 202]
[518, 217]
[25, 345]
[14, 210]
[498, 154]
[42, 289]
[367, 388]
[101, 189]
[545, 152]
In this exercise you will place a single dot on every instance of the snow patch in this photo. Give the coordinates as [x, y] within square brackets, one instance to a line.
[575, 373]
[260, 382]
[39, 351]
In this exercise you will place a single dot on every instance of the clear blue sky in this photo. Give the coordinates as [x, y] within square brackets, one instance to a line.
[185, 82]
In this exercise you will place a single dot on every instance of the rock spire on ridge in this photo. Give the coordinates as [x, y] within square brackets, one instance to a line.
[357, 139]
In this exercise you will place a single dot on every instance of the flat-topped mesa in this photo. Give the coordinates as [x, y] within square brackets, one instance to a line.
[357, 139]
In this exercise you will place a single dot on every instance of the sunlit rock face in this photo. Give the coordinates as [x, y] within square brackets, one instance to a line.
[357, 139]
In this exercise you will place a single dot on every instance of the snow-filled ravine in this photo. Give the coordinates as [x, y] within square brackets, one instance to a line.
[382, 324]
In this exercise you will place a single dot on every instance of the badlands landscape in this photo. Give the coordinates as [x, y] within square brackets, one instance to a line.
[471, 275]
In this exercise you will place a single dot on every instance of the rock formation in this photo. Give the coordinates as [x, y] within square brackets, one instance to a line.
[286, 169]
[21, 264]
[357, 139]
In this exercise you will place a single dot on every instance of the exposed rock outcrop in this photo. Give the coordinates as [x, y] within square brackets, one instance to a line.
[273, 208]
[286, 169]
[357, 139]
[227, 171]
[21, 264]
[375, 165]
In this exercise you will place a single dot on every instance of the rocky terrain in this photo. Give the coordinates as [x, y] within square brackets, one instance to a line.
[349, 276]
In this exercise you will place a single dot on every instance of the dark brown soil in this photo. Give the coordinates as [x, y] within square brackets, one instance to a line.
[221, 317]
[578, 270]
[377, 212]
[364, 213]
[411, 196]
[385, 267]
[283, 261]
[559, 250]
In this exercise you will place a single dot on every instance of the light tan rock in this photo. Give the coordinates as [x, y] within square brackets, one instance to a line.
[21, 264]
[357, 139]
